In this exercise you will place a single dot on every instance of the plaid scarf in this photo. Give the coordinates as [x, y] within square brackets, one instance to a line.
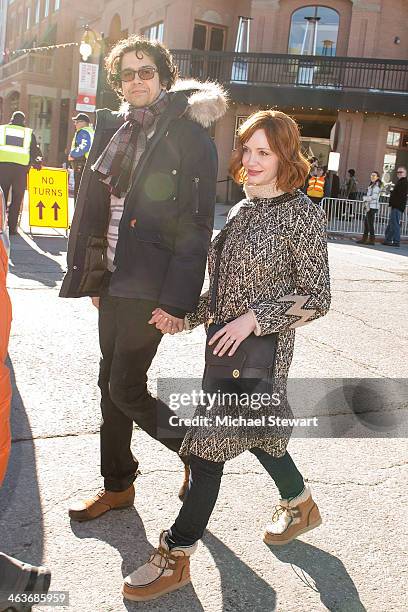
[121, 155]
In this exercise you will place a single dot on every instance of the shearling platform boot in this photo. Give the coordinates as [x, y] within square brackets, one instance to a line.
[166, 571]
[292, 518]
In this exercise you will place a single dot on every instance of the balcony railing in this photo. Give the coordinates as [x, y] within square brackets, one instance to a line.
[277, 70]
[35, 63]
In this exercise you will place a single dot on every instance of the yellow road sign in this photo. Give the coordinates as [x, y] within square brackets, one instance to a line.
[48, 197]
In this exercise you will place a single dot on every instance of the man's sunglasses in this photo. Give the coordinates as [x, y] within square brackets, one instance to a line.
[145, 73]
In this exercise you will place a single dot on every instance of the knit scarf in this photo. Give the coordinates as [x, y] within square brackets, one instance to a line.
[117, 162]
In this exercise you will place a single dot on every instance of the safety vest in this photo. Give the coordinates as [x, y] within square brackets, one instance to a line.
[15, 142]
[74, 143]
[316, 187]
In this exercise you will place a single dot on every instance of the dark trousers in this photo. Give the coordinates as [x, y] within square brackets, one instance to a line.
[204, 485]
[13, 176]
[369, 223]
[393, 230]
[128, 345]
[78, 167]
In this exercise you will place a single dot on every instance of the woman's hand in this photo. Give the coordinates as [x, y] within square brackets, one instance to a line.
[165, 322]
[232, 334]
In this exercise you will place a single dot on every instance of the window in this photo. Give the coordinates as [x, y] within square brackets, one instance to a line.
[398, 139]
[57, 5]
[28, 17]
[37, 11]
[208, 37]
[47, 8]
[239, 120]
[314, 31]
[396, 154]
[154, 32]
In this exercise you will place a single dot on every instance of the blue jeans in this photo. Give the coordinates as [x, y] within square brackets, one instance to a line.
[392, 232]
[204, 485]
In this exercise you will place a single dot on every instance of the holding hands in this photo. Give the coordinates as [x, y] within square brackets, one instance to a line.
[166, 323]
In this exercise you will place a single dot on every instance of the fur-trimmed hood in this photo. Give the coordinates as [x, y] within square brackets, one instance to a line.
[207, 101]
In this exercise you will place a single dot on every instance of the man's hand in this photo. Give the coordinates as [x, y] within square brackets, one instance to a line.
[95, 301]
[165, 322]
[70, 158]
[232, 334]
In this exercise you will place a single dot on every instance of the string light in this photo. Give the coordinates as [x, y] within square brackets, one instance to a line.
[47, 48]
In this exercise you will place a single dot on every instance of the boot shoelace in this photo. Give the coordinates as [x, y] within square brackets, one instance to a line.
[161, 554]
[99, 494]
[280, 509]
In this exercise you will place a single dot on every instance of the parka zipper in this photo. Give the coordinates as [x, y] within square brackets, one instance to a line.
[196, 194]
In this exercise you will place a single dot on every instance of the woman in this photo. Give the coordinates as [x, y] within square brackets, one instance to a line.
[372, 204]
[272, 277]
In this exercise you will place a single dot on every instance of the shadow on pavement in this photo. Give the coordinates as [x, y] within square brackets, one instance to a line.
[241, 588]
[26, 262]
[127, 534]
[331, 580]
[54, 245]
[21, 525]
[382, 248]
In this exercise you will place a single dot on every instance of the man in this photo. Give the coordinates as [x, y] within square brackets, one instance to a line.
[314, 162]
[80, 147]
[139, 241]
[351, 185]
[398, 201]
[316, 186]
[18, 150]
[15, 576]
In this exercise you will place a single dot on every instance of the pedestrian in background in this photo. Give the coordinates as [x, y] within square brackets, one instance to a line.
[316, 186]
[398, 202]
[80, 147]
[371, 205]
[350, 193]
[268, 275]
[18, 150]
[314, 162]
[351, 185]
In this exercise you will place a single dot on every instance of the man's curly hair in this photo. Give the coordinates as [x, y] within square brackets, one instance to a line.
[162, 57]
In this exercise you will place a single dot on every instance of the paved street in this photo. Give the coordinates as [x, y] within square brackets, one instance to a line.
[355, 561]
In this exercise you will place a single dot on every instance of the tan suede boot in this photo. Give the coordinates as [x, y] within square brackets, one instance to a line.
[292, 518]
[102, 502]
[166, 571]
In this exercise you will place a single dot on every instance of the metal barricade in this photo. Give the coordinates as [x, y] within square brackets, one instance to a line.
[347, 217]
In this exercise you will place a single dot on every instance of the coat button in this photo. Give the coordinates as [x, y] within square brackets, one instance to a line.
[174, 198]
[132, 222]
[174, 171]
[75, 267]
[235, 373]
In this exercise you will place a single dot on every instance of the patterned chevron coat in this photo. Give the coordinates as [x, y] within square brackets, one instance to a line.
[274, 261]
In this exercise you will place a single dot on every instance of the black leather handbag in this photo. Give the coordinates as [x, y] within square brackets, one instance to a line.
[255, 356]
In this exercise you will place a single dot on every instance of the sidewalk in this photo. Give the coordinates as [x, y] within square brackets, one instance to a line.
[355, 561]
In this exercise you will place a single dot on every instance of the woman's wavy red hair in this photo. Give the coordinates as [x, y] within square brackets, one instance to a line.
[283, 137]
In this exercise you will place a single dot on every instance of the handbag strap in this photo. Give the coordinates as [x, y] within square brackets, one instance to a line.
[216, 273]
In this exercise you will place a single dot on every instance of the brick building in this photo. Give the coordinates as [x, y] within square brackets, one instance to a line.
[43, 84]
[340, 68]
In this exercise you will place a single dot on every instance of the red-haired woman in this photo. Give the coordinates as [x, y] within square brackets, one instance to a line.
[268, 275]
